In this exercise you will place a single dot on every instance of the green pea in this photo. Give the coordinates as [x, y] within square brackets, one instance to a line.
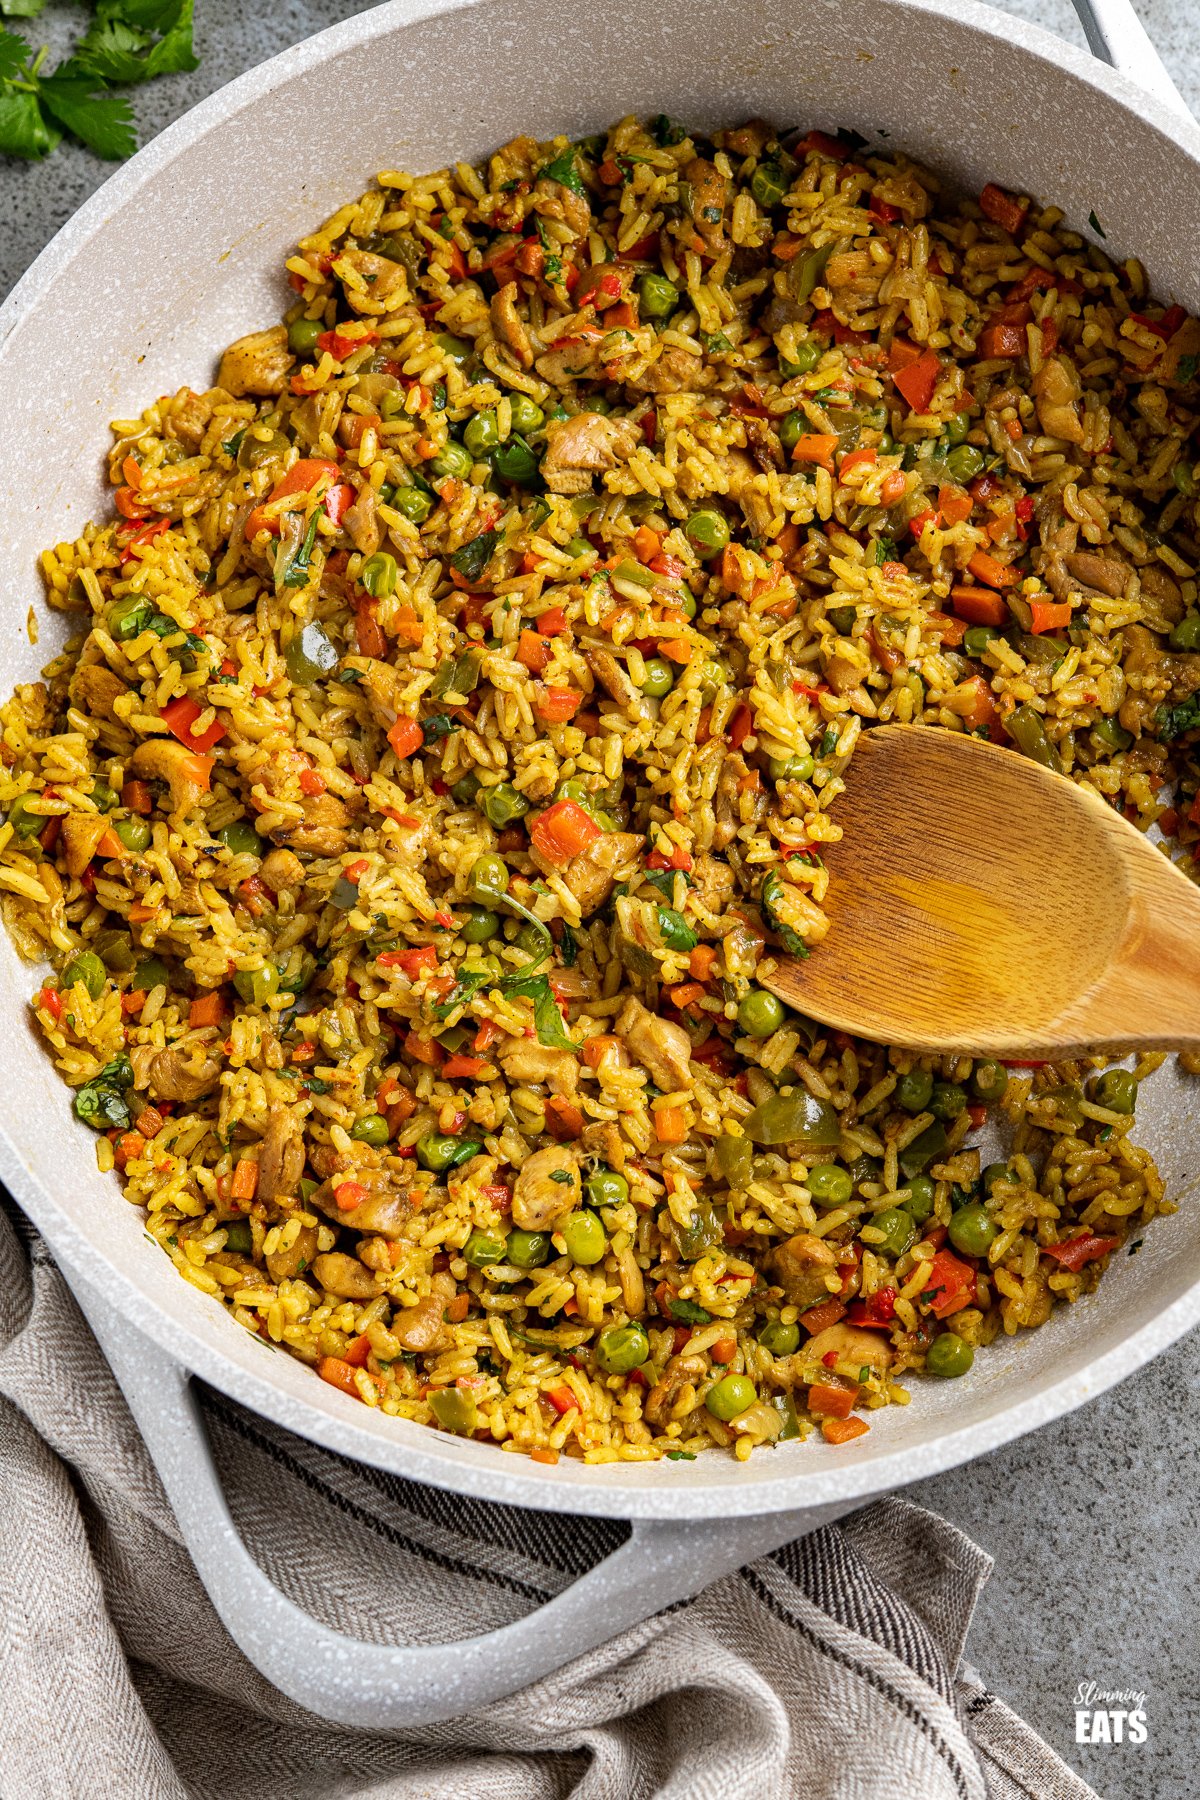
[604, 1187]
[457, 349]
[659, 678]
[842, 619]
[435, 1152]
[378, 575]
[914, 1089]
[488, 879]
[530, 938]
[898, 1228]
[657, 296]
[1186, 635]
[135, 834]
[972, 1229]
[730, 1396]
[465, 789]
[994, 1172]
[480, 925]
[768, 184]
[948, 1356]
[808, 355]
[778, 1338]
[957, 427]
[989, 1081]
[481, 434]
[1112, 736]
[595, 403]
[239, 1237]
[573, 790]
[148, 975]
[947, 1100]
[707, 531]
[372, 1128]
[528, 1249]
[792, 429]
[453, 461]
[1184, 477]
[503, 804]
[129, 617]
[829, 1185]
[790, 768]
[1116, 1090]
[965, 462]
[454, 1410]
[303, 335]
[526, 414]
[414, 503]
[761, 1013]
[622, 1348]
[85, 966]
[976, 638]
[585, 1238]
[481, 1248]
[257, 985]
[27, 824]
[239, 837]
[103, 796]
[916, 1197]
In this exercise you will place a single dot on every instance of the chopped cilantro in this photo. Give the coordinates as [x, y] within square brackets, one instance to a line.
[472, 559]
[1173, 721]
[666, 132]
[688, 1313]
[1095, 224]
[560, 1175]
[563, 170]
[681, 1455]
[1187, 369]
[438, 725]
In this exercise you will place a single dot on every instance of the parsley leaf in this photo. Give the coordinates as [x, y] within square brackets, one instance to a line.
[121, 44]
[472, 559]
[1173, 721]
[687, 1312]
[1095, 224]
[547, 1019]
[23, 130]
[563, 170]
[438, 725]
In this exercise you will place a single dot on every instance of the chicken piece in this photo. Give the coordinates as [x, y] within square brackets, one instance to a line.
[1103, 572]
[384, 1212]
[376, 1253]
[423, 1327]
[176, 1076]
[735, 805]
[161, 759]
[713, 883]
[344, 1276]
[602, 1139]
[668, 1397]
[259, 363]
[908, 194]
[281, 871]
[1162, 597]
[508, 325]
[285, 1265]
[764, 444]
[554, 201]
[80, 839]
[612, 676]
[524, 1059]
[592, 874]
[189, 415]
[663, 1049]
[854, 1348]
[383, 287]
[573, 356]
[674, 372]
[547, 1187]
[707, 206]
[750, 139]
[604, 284]
[280, 1155]
[361, 523]
[742, 475]
[805, 1267]
[94, 687]
[1057, 391]
[854, 274]
[382, 684]
[579, 447]
[323, 831]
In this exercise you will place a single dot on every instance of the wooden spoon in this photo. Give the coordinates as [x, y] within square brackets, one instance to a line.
[979, 903]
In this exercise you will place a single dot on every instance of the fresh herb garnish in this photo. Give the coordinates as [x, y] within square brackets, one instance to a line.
[1173, 721]
[1186, 370]
[688, 1312]
[547, 1019]
[299, 568]
[563, 170]
[560, 1175]
[1096, 226]
[472, 558]
[770, 898]
[437, 725]
[681, 1455]
[666, 132]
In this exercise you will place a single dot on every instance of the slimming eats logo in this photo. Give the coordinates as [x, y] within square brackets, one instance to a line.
[1103, 1716]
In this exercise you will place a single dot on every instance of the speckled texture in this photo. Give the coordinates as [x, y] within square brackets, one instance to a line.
[1101, 1591]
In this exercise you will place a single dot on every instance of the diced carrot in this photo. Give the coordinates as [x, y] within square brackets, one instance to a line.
[311, 783]
[841, 1431]
[979, 606]
[533, 652]
[917, 382]
[423, 1049]
[685, 994]
[369, 633]
[406, 736]
[555, 705]
[816, 447]
[458, 1309]
[244, 1184]
[680, 650]
[951, 631]
[409, 629]
[198, 770]
[1002, 343]
[856, 459]
[486, 1036]
[893, 488]
[670, 1124]
[562, 1398]
[206, 1009]
[136, 797]
[564, 1121]
[470, 1067]
[646, 542]
[109, 845]
[954, 504]
[150, 1122]
[127, 504]
[563, 831]
[339, 1374]
[700, 962]
[139, 912]
[349, 1195]
[1002, 209]
[300, 478]
[358, 1352]
[595, 1048]
[983, 710]
[826, 1312]
[398, 1110]
[992, 573]
[834, 1402]
[128, 1145]
[724, 1350]
[1048, 615]
[539, 1454]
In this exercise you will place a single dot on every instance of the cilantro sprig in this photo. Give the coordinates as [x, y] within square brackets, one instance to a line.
[126, 42]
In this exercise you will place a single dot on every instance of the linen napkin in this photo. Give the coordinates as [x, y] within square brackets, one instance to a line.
[830, 1670]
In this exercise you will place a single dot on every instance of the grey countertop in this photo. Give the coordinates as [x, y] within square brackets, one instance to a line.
[1094, 1523]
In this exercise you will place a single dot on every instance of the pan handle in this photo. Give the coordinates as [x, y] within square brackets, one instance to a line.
[1117, 36]
[395, 1687]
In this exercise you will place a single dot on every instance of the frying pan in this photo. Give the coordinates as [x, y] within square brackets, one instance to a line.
[182, 251]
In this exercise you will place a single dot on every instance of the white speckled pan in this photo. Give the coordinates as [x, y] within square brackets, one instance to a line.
[182, 251]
